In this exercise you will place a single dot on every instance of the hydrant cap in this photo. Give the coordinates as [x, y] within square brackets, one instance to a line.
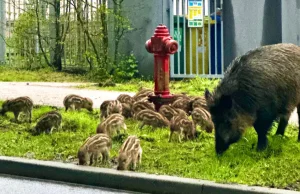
[172, 46]
[161, 31]
[148, 46]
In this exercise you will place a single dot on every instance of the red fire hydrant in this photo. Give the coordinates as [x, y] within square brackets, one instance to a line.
[162, 45]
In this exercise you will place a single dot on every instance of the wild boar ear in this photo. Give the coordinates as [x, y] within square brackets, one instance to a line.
[226, 102]
[208, 96]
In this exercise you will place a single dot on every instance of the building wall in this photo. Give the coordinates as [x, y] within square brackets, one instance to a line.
[291, 21]
[250, 24]
[145, 16]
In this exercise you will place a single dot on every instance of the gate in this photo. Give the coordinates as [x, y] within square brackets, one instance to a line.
[197, 26]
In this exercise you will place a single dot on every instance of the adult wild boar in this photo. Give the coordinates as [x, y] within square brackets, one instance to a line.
[258, 87]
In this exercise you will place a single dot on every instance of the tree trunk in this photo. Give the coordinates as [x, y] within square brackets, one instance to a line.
[79, 14]
[105, 32]
[57, 62]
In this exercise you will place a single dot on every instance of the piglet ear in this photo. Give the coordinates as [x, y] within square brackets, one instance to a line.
[226, 102]
[208, 96]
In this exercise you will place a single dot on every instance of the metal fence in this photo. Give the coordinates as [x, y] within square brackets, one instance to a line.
[73, 43]
[197, 25]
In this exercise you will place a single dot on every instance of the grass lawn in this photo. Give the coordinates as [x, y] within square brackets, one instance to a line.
[193, 87]
[45, 75]
[190, 86]
[278, 166]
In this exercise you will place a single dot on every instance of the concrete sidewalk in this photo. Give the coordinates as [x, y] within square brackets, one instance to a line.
[48, 93]
[23, 185]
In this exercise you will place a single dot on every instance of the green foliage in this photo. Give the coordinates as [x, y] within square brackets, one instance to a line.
[278, 166]
[123, 24]
[127, 69]
[82, 42]
[23, 40]
[24, 29]
[98, 75]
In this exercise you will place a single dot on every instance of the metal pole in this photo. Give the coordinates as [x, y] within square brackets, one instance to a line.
[177, 16]
[203, 39]
[209, 38]
[184, 35]
[197, 50]
[172, 65]
[216, 28]
[2, 31]
[191, 52]
[222, 40]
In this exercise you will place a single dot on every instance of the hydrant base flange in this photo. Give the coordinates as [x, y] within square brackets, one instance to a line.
[160, 100]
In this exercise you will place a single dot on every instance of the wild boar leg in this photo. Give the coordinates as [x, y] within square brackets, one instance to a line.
[134, 161]
[72, 106]
[282, 124]
[47, 131]
[51, 129]
[105, 156]
[181, 134]
[57, 126]
[91, 159]
[140, 157]
[30, 115]
[171, 133]
[16, 114]
[185, 136]
[124, 127]
[118, 130]
[261, 127]
[96, 158]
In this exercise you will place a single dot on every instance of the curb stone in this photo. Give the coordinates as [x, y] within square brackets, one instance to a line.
[27, 185]
[123, 180]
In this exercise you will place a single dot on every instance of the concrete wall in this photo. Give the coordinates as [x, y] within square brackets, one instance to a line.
[291, 21]
[145, 16]
[250, 24]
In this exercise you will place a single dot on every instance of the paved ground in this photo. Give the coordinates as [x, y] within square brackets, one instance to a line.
[52, 93]
[23, 185]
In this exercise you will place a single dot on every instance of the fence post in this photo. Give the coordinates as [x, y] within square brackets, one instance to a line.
[2, 31]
